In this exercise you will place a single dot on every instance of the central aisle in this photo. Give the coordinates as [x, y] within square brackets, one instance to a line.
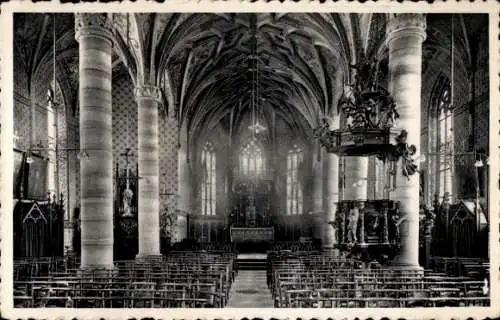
[250, 290]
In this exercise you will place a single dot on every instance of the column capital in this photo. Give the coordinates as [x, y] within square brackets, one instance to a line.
[93, 24]
[148, 92]
[404, 24]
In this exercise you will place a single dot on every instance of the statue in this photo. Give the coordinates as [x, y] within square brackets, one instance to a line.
[428, 220]
[367, 105]
[365, 79]
[370, 112]
[352, 225]
[389, 114]
[435, 202]
[127, 194]
[446, 201]
[168, 223]
[340, 225]
[127, 202]
[406, 152]
[373, 221]
[394, 228]
[396, 220]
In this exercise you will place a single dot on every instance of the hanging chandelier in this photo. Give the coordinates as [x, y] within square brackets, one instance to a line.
[370, 117]
[255, 100]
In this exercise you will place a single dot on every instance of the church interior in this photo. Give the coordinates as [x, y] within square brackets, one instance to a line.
[268, 160]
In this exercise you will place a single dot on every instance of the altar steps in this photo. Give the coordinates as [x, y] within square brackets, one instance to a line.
[252, 261]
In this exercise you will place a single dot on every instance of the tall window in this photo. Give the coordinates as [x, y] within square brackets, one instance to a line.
[208, 180]
[252, 159]
[51, 143]
[293, 183]
[445, 142]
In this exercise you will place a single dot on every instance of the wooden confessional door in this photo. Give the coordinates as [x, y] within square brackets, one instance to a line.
[38, 229]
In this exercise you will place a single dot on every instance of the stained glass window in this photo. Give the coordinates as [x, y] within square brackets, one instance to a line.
[293, 183]
[51, 140]
[252, 161]
[445, 142]
[208, 196]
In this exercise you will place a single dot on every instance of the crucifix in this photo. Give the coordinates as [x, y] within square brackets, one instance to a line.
[127, 154]
[127, 193]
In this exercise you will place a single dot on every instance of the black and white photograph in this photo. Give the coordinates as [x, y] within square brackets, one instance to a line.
[281, 160]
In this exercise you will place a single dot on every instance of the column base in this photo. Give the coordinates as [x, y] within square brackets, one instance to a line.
[149, 256]
[331, 251]
[401, 266]
[98, 271]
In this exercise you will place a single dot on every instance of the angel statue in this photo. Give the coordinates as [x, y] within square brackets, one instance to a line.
[320, 131]
[407, 153]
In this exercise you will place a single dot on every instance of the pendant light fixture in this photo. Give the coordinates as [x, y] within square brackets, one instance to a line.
[255, 100]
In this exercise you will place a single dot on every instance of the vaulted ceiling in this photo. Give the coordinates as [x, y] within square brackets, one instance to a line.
[208, 63]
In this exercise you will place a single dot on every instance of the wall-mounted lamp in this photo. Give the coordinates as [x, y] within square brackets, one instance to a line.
[360, 182]
[145, 179]
[478, 164]
[82, 155]
[481, 159]
[29, 159]
[481, 163]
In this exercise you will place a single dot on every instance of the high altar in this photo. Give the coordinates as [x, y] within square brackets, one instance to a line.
[250, 218]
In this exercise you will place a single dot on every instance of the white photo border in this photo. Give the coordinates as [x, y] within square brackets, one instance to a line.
[6, 162]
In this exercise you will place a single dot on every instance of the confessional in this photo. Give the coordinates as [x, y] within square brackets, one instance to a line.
[38, 216]
[38, 228]
[461, 230]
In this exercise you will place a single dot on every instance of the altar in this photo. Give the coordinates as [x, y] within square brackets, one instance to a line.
[248, 234]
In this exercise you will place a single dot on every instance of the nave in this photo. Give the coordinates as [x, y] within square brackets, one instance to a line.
[270, 160]
[218, 278]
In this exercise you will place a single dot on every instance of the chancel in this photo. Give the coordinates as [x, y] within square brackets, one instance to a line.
[333, 160]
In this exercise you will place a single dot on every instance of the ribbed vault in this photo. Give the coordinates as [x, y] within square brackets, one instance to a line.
[203, 61]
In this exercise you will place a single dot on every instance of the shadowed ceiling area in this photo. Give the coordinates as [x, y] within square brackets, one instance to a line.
[210, 65]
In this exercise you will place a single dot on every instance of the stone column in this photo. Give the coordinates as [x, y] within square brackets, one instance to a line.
[317, 171]
[317, 194]
[405, 34]
[184, 186]
[331, 169]
[331, 196]
[148, 99]
[93, 32]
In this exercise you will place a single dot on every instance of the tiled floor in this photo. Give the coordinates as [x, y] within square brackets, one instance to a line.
[250, 290]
